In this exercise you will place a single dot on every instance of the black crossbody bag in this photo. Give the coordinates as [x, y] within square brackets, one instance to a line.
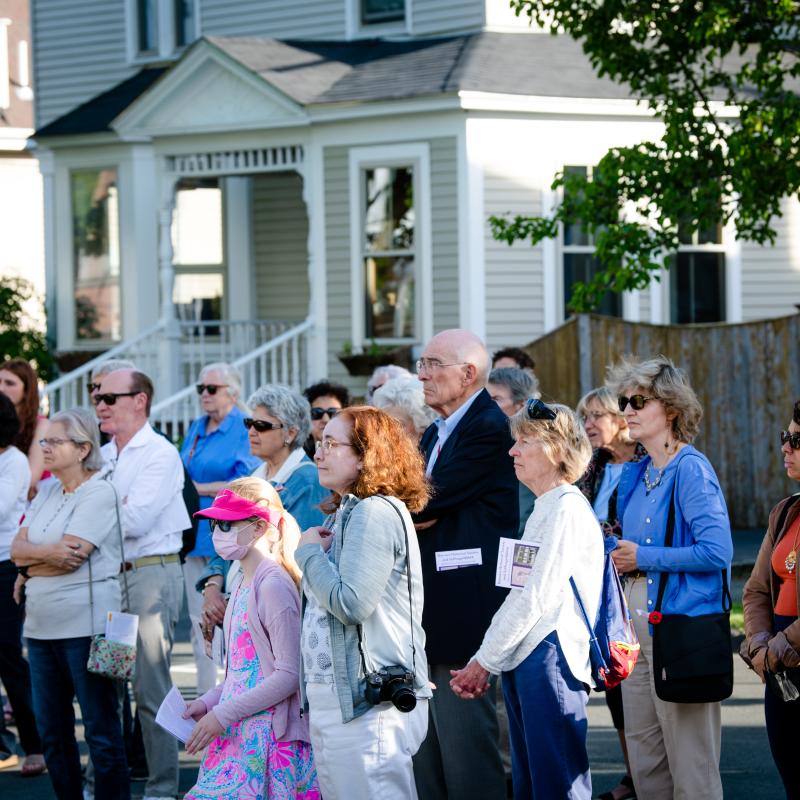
[692, 656]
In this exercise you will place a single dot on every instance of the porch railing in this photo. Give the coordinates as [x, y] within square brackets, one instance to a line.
[282, 359]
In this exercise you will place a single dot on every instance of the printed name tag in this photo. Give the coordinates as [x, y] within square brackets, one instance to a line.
[455, 559]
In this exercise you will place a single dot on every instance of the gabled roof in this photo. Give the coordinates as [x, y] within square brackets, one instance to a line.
[318, 73]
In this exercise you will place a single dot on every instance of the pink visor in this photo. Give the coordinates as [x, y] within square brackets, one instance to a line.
[228, 505]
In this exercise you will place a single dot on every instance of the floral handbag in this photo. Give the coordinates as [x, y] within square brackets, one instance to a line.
[113, 660]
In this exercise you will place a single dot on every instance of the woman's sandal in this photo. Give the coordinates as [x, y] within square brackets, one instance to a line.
[630, 794]
[32, 766]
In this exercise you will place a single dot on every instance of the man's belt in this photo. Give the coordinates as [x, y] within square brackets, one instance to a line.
[635, 573]
[149, 561]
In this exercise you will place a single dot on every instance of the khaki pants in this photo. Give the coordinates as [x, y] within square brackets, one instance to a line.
[673, 747]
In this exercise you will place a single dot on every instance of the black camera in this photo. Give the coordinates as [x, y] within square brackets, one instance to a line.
[392, 683]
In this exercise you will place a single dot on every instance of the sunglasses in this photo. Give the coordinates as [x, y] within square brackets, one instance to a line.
[792, 438]
[261, 425]
[211, 388]
[536, 409]
[110, 398]
[318, 413]
[93, 387]
[225, 524]
[637, 401]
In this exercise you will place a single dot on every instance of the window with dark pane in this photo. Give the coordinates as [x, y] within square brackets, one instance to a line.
[185, 23]
[147, 25]
[697, 287]
[377, 11]
[389, 255]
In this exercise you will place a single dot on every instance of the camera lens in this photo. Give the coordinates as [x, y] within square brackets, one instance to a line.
[403, 698]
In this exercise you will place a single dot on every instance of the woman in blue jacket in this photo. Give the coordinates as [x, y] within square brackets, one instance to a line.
[674, 748]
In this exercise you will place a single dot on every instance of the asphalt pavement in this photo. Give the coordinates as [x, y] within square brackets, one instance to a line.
[746, 766]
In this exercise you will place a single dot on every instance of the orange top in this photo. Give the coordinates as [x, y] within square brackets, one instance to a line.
[786, 604]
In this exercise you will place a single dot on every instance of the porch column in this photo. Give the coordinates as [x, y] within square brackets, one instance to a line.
[169, 353]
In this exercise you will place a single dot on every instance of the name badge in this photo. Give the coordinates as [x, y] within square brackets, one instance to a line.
[456, 559]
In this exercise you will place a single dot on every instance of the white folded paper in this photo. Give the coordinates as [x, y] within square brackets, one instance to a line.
[122, 627]
[170, 716]
[456, 559]
[514, 563]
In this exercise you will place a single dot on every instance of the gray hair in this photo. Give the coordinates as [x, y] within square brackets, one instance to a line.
[230, 375]
[661, 379]
[289, 406]
[111, 365]
[519, 382]
[80, 426]
[406, 393]
[390, 371]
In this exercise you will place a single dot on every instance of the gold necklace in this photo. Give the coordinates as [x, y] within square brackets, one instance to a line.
[790, 561]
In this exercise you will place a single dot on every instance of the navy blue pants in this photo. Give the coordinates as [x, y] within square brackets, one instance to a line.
[547, 727]
[783, 723]
[58, 673]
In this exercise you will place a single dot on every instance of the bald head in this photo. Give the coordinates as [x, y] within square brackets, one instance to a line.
[455, 365]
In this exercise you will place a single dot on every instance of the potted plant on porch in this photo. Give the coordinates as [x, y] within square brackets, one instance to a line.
[373, 355]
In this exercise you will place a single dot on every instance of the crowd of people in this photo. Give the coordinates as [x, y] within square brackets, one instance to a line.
[339, 564]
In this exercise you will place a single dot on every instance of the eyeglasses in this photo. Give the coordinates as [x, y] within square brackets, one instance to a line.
[792, 438]
[593, 415]
[51, 443]
[110, 398]
[226, 524]
[536, 409]
[261, 425]
[328, 444]
[211, 388]
[93, 387]
[430, 364]
[318, 413]
[637, 401]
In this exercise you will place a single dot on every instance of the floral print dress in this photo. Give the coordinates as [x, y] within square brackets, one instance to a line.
[246, 761]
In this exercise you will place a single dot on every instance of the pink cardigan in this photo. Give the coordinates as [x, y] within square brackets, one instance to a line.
[273, 619]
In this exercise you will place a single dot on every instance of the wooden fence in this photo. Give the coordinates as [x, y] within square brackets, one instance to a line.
[747, 376]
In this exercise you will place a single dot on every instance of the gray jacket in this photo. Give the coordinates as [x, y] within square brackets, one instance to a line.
[365, 584]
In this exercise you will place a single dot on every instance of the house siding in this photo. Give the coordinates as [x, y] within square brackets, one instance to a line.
[78, 52]
[514, 275]
[446, 16]
[771, 275]
[280, 246]
[279, 19]
[444, 239]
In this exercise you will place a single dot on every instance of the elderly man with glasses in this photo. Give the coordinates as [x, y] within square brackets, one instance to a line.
[148, 475]
[474, 504]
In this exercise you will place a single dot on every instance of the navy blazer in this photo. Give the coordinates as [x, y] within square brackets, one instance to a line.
[475, 502]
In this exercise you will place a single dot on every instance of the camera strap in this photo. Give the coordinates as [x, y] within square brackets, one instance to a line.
[410, 601]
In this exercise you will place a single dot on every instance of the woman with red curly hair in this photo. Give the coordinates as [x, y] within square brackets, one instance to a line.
[364, 670]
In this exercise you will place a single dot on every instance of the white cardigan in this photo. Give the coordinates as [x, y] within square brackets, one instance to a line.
[570, 542]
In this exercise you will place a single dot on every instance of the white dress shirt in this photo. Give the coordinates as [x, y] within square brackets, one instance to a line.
[148, 475]
[570, 543]
[445, 426]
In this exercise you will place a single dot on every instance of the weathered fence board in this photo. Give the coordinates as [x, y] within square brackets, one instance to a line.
[747, 377]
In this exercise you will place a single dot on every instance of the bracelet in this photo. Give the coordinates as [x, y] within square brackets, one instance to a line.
[208, 583]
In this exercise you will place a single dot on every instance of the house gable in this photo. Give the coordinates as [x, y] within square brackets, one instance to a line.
[208, 92]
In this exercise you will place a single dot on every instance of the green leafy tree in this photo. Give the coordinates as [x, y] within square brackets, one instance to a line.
[19, 337]
[723, 77]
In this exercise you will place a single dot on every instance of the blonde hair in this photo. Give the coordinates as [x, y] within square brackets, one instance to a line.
[262, 493]
[563, 439]
[665, 382]
[604, 398]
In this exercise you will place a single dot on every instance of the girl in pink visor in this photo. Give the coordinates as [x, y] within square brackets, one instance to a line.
[256, 741]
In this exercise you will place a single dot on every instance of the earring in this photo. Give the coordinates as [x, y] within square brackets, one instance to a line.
[286, 442]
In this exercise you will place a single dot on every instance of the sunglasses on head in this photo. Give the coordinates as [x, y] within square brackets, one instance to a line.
[637, 401]
[211, 388]
[318, 413]
[93, 387]
[792, 438]
[536, 409]
[261, 425]
[225, 524]
[110, 398]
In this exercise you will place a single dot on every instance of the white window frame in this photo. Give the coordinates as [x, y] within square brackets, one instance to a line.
[166, 33]
[416, 156]
[355, 29]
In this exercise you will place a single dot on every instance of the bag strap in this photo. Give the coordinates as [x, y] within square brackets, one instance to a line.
[127, 603]
[668, 539]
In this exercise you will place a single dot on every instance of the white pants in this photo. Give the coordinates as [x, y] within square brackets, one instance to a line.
[368, 757]
[206, 668]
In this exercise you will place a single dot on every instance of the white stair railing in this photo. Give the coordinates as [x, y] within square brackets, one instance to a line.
[72, 390]
[282, 359]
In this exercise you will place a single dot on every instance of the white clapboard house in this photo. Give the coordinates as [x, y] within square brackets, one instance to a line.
[274, 182]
